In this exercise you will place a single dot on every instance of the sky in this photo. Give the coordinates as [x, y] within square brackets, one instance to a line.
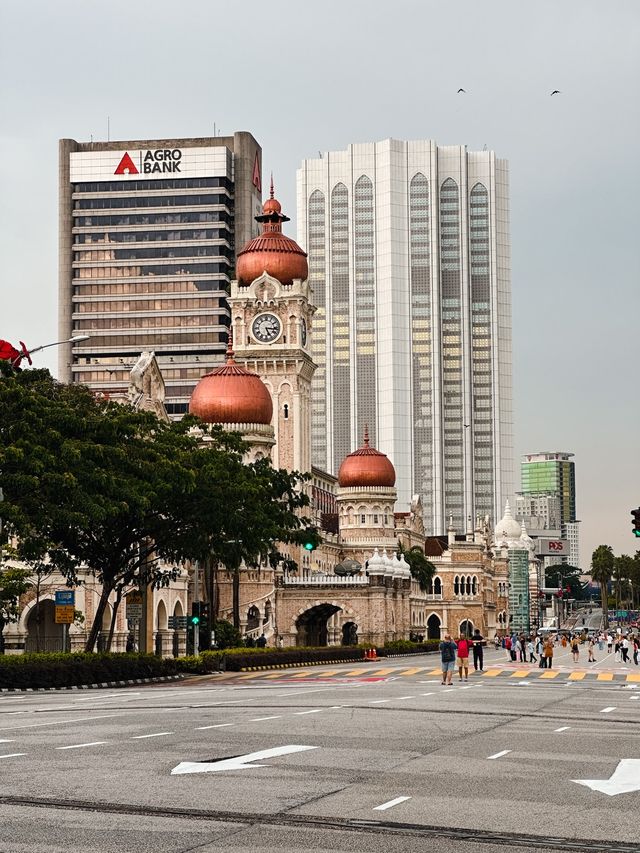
[305, 78]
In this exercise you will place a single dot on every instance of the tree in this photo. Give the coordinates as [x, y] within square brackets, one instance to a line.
[623, 573]
[422, 569]
[568, 577]
[602, 563]
[100, 487]
[14, 582]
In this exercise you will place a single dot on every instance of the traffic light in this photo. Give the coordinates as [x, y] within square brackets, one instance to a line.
[195, 613]
[309, 546]
[204, 612]
[310, 539]
[635, 514]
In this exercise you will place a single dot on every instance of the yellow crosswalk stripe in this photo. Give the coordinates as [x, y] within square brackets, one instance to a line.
[605, 676]
[413, 670]
[548, 674]
[246, 675]
[520, 673]
[274, 675]
[577, 676]
[633, 677]
[435, 672]
[491, 673]
[361, 671]
[385, 671]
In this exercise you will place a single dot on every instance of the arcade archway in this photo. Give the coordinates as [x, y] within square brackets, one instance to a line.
[433, 627]
[312, 625]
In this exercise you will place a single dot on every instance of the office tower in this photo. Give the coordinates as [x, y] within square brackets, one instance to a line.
[408, 247]
[148, 231]
[548, 489]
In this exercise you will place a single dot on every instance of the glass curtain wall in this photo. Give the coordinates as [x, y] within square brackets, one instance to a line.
[340, 323]
[317, 275]
[365, 313]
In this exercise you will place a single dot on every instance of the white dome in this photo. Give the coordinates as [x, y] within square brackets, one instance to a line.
[375, 565]
[405, 566]
[508, 527]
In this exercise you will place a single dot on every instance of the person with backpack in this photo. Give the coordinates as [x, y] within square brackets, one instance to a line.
[448, 651]
[477, 642]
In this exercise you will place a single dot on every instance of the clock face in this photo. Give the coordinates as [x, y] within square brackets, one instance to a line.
[303, 332]
[266, 328]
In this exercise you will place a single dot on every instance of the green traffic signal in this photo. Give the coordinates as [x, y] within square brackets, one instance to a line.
[635, 513]
[309, 546]
[195, 620]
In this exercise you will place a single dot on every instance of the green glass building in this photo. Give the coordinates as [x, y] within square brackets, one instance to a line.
[551, 474]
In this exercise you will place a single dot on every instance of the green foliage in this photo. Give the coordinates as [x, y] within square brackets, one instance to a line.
[70, 670]
[237, 659]
[408, 647]
[602, 563]
[14, 582]
[422, 569]
[227, 637]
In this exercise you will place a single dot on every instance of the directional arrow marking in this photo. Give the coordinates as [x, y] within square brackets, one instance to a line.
[240, 762]
[625, 778]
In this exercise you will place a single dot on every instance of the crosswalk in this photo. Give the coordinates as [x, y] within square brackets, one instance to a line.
[496, 672]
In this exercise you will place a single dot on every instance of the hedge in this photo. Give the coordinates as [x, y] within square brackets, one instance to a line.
[71, 670]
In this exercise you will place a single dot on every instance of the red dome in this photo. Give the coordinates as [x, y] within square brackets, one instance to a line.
[272, 252]
[231, 395]
[366, 467]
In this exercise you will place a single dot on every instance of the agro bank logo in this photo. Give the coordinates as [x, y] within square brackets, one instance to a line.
[152, 161]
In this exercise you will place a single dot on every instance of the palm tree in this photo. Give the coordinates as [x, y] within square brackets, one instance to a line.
[602, 562]
[421, 568]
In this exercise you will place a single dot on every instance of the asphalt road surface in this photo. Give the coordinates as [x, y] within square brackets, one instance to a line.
[355, 757]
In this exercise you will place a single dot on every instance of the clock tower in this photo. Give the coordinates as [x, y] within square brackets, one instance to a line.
[271, 314]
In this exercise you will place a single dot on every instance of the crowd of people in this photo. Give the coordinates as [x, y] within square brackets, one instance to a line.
[538, 648]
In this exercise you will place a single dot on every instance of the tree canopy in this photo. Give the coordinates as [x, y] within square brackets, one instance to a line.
[98, 486]
[602, 564]
[422, 569]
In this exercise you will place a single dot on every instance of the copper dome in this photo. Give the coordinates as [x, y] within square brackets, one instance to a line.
[230, 394]
[366, 467]
[271, 252]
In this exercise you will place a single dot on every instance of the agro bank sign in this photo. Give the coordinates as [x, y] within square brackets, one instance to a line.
[136, 163]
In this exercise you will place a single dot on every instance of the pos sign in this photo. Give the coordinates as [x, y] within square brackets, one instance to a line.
[552, 547]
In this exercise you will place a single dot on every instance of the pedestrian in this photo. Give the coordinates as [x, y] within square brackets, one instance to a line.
[616, 649]
[575, 649]
[564, 642]
[507, 646]
[530, 649]
[548, 653]
[463, 657]
[624, 648]
[636, 649]
[601, 642]
[514, 641]
[448, 652]
[523, 649]
[496, 642]
[261, 642]
[542, 661]
[478, 653]
[609, 643]
[591, 650]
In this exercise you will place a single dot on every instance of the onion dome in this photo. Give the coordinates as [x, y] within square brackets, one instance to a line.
[230, 394]
[375, 566]
[366, 467]
[508, 527]
[272, 251]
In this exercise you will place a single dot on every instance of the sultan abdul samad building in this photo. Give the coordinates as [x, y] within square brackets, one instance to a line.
[353, 588]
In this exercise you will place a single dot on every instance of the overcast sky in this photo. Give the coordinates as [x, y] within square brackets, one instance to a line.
[306, 77]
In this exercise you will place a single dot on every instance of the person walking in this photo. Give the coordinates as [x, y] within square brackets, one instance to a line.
[636, 649]
[624, 648]
[523, 649]
[507, 646]
[601, 639]
[609, 643]
[575, 649]
[616, 649]
[548, 653]
[514, 641]
[540, 650]
[448, 657]
[530, 649]
[463, 657]
[478, 653]
[591, 649]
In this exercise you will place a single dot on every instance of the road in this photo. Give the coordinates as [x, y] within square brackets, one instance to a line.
[393, 761]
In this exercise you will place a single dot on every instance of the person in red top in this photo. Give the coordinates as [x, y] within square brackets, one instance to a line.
[463, 657]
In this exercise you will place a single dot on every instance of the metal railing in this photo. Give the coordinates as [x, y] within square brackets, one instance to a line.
[326, 580]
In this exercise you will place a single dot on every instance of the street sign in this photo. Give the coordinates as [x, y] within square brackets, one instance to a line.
[65, 614]
[133, 603]
[552, 547]
[65, 596]
[239, 762]
[177, 622]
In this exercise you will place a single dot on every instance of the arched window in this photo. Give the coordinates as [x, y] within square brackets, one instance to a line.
[286, 411]
[456, 585]
[430, 586]
[433, 627]
[474, 585]
[468, 584]
[437, 585]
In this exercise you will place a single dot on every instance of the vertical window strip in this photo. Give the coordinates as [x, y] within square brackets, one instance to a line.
[340, 320]
[363, 247]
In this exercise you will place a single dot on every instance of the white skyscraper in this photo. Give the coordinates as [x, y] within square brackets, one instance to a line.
[409, 261]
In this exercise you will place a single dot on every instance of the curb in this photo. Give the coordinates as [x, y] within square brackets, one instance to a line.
[160, 679]
[297, 664]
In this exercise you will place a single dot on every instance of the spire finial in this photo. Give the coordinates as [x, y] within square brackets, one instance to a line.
[271, 189]
[366, 435]
[230, 352]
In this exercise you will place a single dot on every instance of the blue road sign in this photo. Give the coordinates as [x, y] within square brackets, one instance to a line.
[65, 596]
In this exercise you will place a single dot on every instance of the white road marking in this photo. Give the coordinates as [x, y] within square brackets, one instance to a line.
[314, 711]
[217, 726]
[499, 754]
[450, 690]
[6, 740]
[562, 729]
[61, 722]
[400, 698]
[625, 778]
[608, 710]
[378, 701]
[240, 762]
[260, 719]
[155, 734]
[80, 745]
[390, 804]
[12, 754]
[427, 694]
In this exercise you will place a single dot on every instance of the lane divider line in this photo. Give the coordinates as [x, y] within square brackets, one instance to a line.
[155, 734]
[562, 729]
[217, 726]
[608, 710]
[390, 804]
[80, 745]
[499, 754]
[260, 719]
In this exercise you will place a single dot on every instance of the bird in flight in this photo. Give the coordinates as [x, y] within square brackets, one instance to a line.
[461, 90]
[556, 92]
